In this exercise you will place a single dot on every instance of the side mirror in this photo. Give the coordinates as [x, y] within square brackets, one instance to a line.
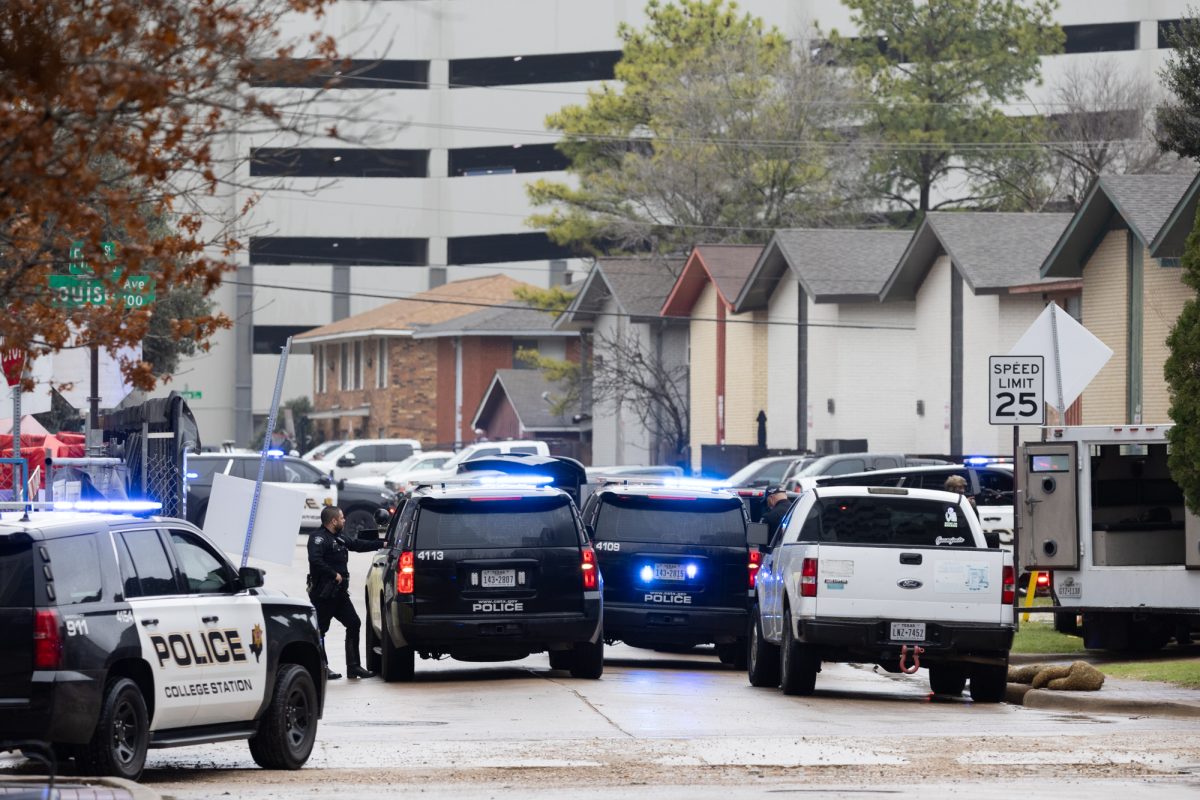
[382, 517]
[341, 484]
[347, 460]
[758, 533]
[325, 481]
[992, 538]
[251, 577]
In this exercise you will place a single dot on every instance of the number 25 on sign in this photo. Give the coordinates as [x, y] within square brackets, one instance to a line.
[1016, 386]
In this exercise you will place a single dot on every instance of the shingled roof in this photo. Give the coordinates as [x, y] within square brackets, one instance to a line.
[1159, 210]
[638, 286]
[726, 266]
[992, 251]
[832, 264]
[499, 321]
[524, 389]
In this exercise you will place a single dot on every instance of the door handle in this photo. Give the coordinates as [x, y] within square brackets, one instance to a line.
[210, 620]
[149, 622]
[910, 558]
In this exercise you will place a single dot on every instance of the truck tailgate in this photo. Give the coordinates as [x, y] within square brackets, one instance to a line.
[913, 582]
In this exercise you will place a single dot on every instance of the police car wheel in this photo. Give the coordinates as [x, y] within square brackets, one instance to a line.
[396, 663]
[122, 736]
[797, 666]
[733, 653]
[357, 520]
[947, 679]
[587, 660]
[372, 643]
[762, 657]
[288, 728]
[561, 659]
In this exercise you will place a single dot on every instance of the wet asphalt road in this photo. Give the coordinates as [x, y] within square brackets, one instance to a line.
[668, 726]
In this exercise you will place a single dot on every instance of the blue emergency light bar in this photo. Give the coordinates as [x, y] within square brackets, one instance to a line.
[275, 454]
[132, 506]
[513, 480]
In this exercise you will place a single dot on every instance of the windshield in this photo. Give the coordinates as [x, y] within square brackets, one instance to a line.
[320, 450]
[891, 520]
[405, 465]
[481, 523]
[769, 470]
[686, 520]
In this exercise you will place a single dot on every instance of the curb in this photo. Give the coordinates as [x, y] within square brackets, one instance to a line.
[1020, 694]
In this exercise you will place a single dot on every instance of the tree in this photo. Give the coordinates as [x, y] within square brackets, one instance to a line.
[936, 75]
[114, 116]
[717, 130]
[1179, 119]
[1182, 372]
[161, 348]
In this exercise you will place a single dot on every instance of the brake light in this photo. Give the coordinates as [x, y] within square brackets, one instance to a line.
[404, 573]
[587, 565]
[1043, 580]
[47, 642]
[755, 563]
[1008, 588]
[808, 578]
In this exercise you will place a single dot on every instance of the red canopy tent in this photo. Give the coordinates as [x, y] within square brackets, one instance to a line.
[35, 448]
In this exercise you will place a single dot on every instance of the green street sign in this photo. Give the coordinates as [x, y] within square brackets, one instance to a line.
[76, 263]
[72, 291]
[188, 394]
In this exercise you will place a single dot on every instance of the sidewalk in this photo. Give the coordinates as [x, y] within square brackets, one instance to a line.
[1122, 697]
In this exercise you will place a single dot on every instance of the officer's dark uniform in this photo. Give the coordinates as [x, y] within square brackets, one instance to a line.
[775, 515]
[328, 554]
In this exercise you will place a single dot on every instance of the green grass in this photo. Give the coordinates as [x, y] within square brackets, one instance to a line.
[1182, 672]
[1040, 637]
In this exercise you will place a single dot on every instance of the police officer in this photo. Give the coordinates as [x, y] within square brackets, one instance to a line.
[777, 508]
[329, 585]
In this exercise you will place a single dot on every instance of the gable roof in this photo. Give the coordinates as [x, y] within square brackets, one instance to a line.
[832, 264]
[637, 285]
[993, 251]
[1155, 207]
[524, 389]
[498, 321]
[726, 266]
[402, 317]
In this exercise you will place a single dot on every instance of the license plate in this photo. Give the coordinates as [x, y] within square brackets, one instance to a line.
[669, 572]
[908, 631]
[497, 578]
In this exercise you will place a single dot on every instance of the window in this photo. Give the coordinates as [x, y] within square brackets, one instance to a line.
[503, 247]
[394, 451]
[1167, 28]
[365, 453]
[344, 367]
[530, 450]
[691, 520]
[381, 364]
[367, 252]
[203, 469]
[846, 466]
[887, 520]
[339, 162]
[299, 472]
[74, 569]
[995, 488]
[771, 472]
[149, 573]
[314, 74]
[527, 522]
[269, 339]
[1099, 38]
[515, 70]
[204, 571]
[506, 159]
[936, 480]
[320, 366]
[358, 364]
[1170, 262]
[16, 572]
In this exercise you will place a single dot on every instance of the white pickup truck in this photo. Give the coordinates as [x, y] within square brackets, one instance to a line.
[892, 576]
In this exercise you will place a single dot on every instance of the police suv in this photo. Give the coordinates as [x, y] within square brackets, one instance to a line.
[123, 633]
[490, 569]
[677, 569]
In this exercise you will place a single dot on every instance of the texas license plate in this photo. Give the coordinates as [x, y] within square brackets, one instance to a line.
[669, 572]
[908, 631]
[497, 578]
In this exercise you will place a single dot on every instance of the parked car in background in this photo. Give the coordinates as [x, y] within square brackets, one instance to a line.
[477, 450]
[751, 481]
[361, 458]
[847, 463]
[426, 459]
[320, 450]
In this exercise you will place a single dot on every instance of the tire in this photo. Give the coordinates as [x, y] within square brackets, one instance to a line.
[989, 681]
[762, 657]
[561, 659]
[727, 653]
[948, 679]
[395, 663]
[372, 640]
[797, 664]
[122, 736]
[587, 660]
[288, 728]
[357, 520]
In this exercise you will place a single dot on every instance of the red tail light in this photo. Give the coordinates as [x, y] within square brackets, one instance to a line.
[1043, 580]
[755, 563]
[588, 566]
[1008, 588]
[808, 578]
[404, 573]
[47, 642]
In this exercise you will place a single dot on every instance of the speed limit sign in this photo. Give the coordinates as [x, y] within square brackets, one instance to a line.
[1016, 386]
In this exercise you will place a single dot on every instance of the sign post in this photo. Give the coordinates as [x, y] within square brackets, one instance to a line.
[13, 362]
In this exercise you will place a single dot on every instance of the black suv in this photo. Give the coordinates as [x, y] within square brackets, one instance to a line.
[677, 569]
[123, 633]
[489, 571]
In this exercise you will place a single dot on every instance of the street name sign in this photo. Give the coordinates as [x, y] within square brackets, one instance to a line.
[1016, 386]
[81, 290]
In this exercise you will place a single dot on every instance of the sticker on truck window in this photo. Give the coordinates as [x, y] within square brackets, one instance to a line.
[951, 517]
[956, 577]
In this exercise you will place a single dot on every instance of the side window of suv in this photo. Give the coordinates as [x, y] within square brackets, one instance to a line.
[996, 487]
[74, 569]
[395, 452]
[847, 465]
[204, 571]
[400, 522]
[365, 453]
[145, 570]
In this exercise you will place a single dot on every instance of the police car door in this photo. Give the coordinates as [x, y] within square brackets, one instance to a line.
[228, 650]
[163, 617]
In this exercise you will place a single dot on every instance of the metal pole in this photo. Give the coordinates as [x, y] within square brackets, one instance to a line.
[1016, 504]
[18, 484]
[93, 438]
[1062, 411]
[266, 446]
[145, 454]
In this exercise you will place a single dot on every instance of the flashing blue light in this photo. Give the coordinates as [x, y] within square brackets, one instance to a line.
[191, 476]
[510, 480]
[275, 454]
[107, 505]
[976, 461]
[647, 573]
[691, 571]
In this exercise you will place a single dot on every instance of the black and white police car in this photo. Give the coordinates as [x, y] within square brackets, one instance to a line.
[492, 569]
[123, 632]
